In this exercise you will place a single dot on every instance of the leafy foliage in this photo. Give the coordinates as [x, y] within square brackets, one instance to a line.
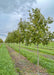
[1, 41]
[40, 30]
[36, 30]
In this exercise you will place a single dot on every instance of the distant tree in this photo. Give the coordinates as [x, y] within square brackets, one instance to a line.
[53, 35]
[1, 41]
[14, 37]
[18, 38]
[24, 30]
[21, 28]
[10, 38]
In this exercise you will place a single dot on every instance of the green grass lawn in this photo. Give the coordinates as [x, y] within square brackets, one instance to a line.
[32, 57]
[6, 64]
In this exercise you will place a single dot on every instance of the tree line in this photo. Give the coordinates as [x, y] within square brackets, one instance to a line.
[1, 41]
[35, 30]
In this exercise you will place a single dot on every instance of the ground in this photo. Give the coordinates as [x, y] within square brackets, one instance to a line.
[24, 66]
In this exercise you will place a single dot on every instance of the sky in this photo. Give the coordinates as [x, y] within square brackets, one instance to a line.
[12, 10]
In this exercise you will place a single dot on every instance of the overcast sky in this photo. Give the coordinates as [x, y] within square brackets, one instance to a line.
[12, 10]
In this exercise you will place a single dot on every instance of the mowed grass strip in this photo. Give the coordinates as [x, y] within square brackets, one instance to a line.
[6, 64]
[41, 50]
[50, 46]
[32, 57]
[0, 45]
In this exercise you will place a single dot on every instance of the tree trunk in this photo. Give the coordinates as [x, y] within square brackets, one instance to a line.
[37, 60]
[19, 47]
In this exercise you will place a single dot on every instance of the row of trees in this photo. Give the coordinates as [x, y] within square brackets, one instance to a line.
[35, 30]
[1, 41]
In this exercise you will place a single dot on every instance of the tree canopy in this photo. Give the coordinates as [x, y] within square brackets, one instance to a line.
[36, 30]
[1, 41]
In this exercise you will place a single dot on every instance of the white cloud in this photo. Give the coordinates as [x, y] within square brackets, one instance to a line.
[8, 22]
[9, 6]
[3, 36]
[46, 7]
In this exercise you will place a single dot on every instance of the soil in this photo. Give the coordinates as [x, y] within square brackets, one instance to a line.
[24, 66]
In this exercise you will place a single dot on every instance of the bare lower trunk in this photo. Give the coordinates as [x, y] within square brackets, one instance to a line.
[19, 47]
[37, 60]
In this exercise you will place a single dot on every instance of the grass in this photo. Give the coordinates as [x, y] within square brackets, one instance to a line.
[32, 57]
[6, 64]
[0, 45]
[41, 50]
[50, 46]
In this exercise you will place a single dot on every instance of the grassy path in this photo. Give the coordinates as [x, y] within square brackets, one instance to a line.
[45, 51]
[24, 66]
[41, 50]
[6, 64]
[40, 53]
[46, 55]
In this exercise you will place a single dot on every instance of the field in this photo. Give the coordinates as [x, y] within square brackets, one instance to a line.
[26, 37]
[6, 64]
[26, 56]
